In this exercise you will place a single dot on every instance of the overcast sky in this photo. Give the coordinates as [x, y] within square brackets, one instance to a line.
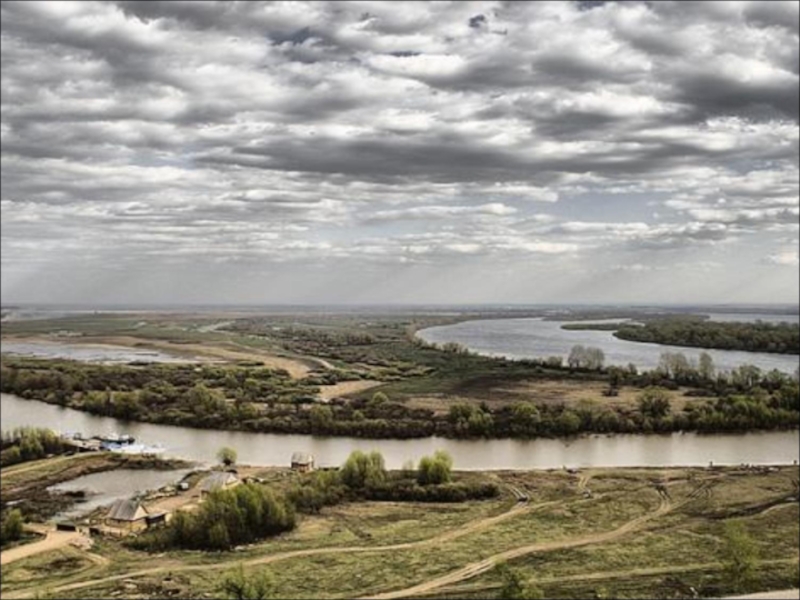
[372, 152]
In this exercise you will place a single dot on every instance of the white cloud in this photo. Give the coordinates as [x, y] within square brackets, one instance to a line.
[375, 133]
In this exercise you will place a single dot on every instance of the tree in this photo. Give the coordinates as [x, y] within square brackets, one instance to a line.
[740, 553]
[595, 358]
[227, 456]
[218, 537]
[746, 377]
[237, 586]
[575, 358]
[321, 417]
[706, 366]
[654, 403]
[31, 448]
[12, 527]
[436, 469]
[378, 398]
[363, 470]
[675, 365]
[568, 422]
[588, 357]
[526, 417]
[12, 456]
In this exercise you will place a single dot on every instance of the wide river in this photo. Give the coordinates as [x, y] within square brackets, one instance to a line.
[275, 450]
[536, 338]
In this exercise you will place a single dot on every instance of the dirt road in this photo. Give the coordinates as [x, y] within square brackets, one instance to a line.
[471, 527]
[327, 392]
[488, 564]
[460, 575]
[53, 541]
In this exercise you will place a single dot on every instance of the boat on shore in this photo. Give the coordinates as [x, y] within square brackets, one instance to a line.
[115, 438]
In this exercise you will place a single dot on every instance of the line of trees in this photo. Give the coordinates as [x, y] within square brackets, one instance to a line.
[29, 443]
[779, 338]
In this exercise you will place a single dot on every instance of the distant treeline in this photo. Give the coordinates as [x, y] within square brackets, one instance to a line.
[778, 338]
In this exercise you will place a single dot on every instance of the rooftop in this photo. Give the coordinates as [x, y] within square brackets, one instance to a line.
[217, 481]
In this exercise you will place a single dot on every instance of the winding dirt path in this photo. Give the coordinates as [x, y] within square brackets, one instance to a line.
[462, 574]
[328, 392]
[476, 525]
[53, 541]
[487, 564]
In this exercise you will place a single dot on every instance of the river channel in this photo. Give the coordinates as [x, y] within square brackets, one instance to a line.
[201, 445]
[536, 338]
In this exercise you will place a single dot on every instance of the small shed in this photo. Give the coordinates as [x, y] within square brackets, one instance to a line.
[156, 519]
[221, 480]
[127, 514]
[303, 462]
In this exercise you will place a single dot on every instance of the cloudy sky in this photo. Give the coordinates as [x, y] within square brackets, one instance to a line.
[372, 152]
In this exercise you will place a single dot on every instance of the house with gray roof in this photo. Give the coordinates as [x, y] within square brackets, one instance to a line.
[220, 480]
[127, 513]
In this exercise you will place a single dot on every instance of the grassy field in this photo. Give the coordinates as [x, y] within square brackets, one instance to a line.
[644, 533]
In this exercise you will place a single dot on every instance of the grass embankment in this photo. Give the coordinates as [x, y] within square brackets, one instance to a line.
[637, 533]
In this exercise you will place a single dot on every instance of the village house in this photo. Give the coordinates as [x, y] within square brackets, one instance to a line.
[221, 480]
[303, 462]
[127, 514]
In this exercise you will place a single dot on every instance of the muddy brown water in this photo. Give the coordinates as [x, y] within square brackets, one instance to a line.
[201, 445]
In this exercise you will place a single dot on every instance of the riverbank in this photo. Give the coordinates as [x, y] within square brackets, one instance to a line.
[201, 445]
[621, 533]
